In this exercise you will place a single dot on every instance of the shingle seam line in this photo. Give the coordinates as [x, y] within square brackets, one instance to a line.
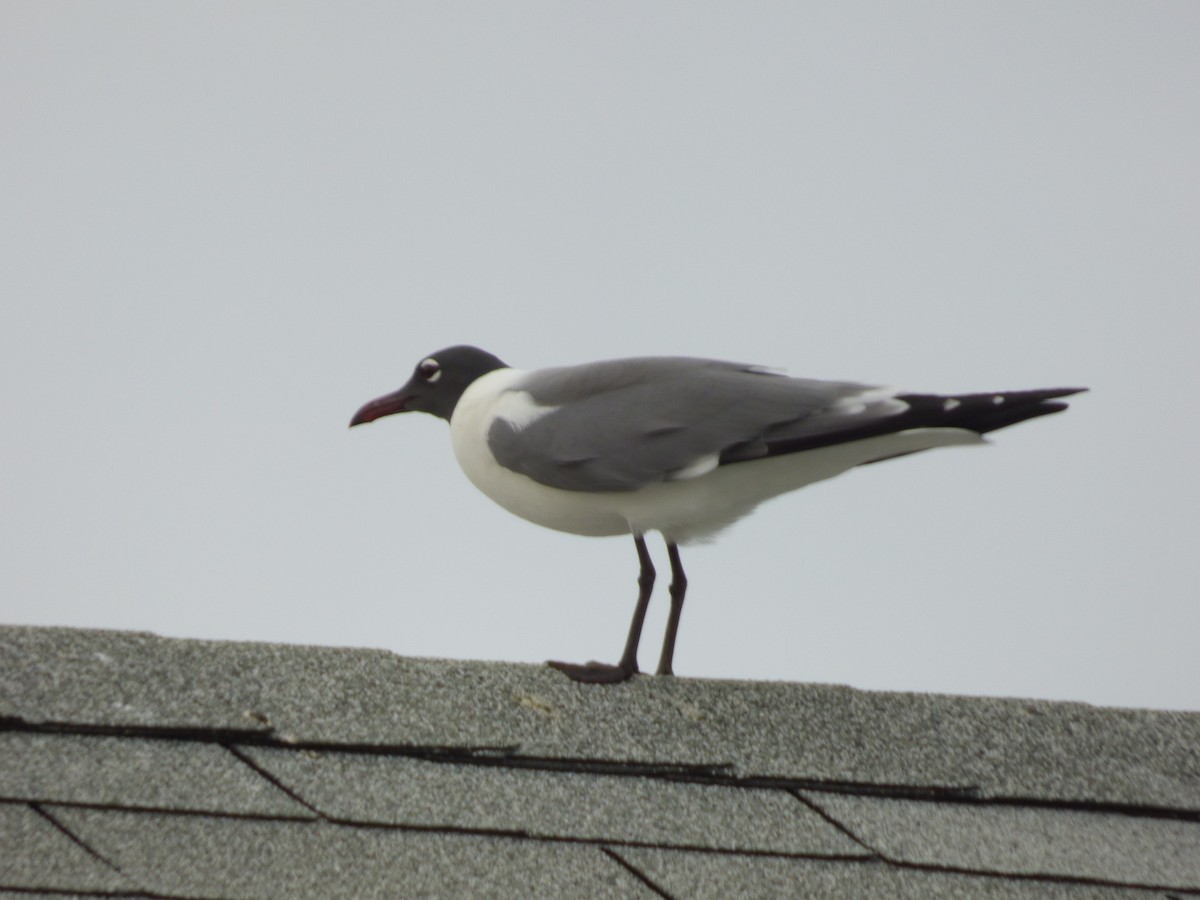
[272, 779]
[841, 827]
[200, 734]
[91, 851]
[517, 834]
[1132, 810]
[522, 834]
[648, 845]
[162, 810]
[635, 872]
[993, 873]
[698, 775]
[1044, 877]
[77, 892]
[501, 756]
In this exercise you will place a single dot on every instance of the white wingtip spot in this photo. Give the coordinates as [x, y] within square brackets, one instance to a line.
[950, 403]
[998, 399]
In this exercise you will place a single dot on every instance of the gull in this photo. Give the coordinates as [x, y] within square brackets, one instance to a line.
[677, 445]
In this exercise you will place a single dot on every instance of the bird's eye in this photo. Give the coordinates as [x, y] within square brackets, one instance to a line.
[429, 370]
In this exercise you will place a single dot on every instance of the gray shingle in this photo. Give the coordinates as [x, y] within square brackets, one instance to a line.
[133, 772]
[994, 748]
[132, 679]
[1125, 849]
[195, 766]
[707, 876]
[395, 790]
[36, 854]
[204, 856]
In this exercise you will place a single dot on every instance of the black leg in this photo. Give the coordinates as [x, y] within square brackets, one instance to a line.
[678, 589]
[603, 673]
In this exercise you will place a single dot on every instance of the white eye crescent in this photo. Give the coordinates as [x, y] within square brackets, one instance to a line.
[429, 370]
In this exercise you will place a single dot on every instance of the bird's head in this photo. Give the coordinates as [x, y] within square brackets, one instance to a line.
[435, 386]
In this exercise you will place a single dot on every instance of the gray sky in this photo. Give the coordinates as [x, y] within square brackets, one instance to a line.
[227, 225]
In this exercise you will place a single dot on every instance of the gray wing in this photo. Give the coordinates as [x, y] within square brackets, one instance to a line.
[624, 424]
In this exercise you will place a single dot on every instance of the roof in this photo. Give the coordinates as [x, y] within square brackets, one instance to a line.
[146, 766]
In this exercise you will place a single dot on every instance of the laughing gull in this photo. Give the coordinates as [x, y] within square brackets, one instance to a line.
[676, 445]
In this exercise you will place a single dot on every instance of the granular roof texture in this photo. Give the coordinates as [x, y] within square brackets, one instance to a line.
[140, 766]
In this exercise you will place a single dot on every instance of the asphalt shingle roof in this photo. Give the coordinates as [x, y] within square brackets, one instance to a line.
[144, 766]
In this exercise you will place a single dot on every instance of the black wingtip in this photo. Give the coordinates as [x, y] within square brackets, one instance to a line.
[983, 413]
[1051, 393]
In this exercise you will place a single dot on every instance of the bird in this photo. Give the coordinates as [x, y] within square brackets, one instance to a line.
[679, 445]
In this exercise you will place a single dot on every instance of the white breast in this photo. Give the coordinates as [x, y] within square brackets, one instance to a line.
[572, 511]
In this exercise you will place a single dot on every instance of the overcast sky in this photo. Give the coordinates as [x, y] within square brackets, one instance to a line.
[227, 225]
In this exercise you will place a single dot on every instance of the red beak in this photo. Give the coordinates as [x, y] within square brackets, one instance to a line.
[387, 405]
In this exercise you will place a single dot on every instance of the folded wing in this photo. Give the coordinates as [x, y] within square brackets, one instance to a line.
[623, 425]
